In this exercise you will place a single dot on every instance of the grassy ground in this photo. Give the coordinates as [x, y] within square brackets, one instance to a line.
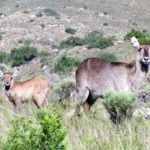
[96, 132]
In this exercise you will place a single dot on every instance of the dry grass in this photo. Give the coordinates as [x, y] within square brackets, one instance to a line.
[94, 133]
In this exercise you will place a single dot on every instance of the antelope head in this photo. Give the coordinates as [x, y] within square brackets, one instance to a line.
[143, 51]
[8, 78]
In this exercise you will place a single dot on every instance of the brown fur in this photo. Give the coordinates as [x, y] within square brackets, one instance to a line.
[18, 92]
[97, 76]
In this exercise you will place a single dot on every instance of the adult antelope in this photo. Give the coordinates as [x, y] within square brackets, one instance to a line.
[18, 92]
[96, 76]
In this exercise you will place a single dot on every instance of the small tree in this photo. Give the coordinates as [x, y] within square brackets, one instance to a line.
[119, 105]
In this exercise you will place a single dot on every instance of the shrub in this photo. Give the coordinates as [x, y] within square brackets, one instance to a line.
[44, 53]
[105, 42]
[85, 7]
[39, 14]
[145, 40]
[105, 13]
[17, 63]
[17, 6]
[93, 40]
[1, 37]
[65, 64]
[93, 37]
[70, 30]
[22, 55]
[134, 23]
[119, 105]
[142, 36]
[50, 12]
[26, 11]
[4, 57]
[27, 41]
[108, 57]
[41, 132]
[65, 91]
[71, 42]
[31, 20]
[42, 25]
[101, 43]
[105, 24]
[138, 34]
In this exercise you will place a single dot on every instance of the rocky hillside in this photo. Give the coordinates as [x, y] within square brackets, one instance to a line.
[25, 20]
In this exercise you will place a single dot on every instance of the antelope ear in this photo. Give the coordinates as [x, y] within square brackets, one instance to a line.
[16, 72]
[135, 42]
[1, 73]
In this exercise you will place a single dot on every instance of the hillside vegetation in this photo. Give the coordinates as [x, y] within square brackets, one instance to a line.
[50, 38]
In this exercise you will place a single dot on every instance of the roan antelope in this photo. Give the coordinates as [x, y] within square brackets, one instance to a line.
[96, 76]
[18, 92]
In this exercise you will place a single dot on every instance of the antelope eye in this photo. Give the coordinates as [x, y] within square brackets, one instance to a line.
[140, 49]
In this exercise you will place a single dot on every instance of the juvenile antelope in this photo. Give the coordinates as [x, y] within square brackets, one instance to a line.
[96, 76]
[18, 92]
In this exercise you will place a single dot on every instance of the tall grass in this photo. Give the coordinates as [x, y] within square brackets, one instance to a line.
[96, 132]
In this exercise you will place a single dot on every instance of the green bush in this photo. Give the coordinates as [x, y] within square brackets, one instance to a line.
[105, 42]
[22, 55]
[105, 13]
[39, 14]
[85, 7]
[93, 39]
[27, 41]
[42, 25]
[65, 64]
[70, 30]
[71, 42]
[16, 63]
[41, 132]
[26, 11]
[101, 43]
[4, 57]
[105, 24]
[145, 40]
[142, 36]
[65, 91]
[119, 105]
[1, 37]
[31, 20]
[137, 33]
[50, 12]
[44, 53]
[1, 13]
[108, 57]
